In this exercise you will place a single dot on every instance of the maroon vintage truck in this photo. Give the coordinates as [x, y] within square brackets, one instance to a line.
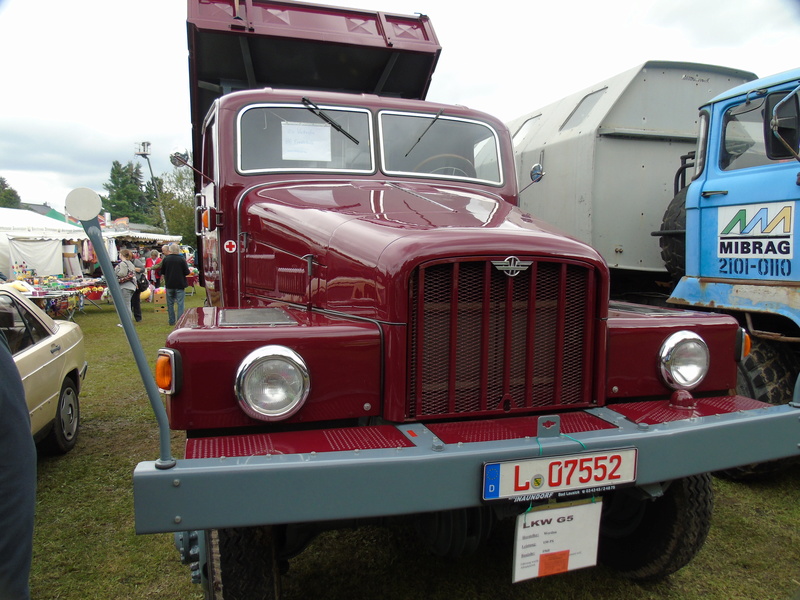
[389, 335]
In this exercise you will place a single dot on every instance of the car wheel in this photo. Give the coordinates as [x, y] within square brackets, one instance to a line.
[647, 540]
[64, 435]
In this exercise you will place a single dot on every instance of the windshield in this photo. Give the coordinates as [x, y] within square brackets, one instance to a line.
[434, 145]
[311, 138]
[294, 138]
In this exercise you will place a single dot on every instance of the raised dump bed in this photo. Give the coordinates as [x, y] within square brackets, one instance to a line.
[249, 44]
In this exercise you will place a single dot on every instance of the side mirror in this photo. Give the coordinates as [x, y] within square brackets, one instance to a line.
[537, 173]
[179, 159]
[782, 125]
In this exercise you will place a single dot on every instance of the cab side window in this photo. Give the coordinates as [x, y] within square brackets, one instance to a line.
[743, 138]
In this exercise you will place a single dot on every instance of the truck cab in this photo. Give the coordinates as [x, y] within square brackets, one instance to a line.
[741, 220]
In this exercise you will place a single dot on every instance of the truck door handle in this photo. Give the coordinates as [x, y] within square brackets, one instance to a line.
[714, 193]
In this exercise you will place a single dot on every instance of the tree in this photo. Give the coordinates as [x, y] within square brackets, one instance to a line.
[177, 200]
[9, 198]
[126, 193]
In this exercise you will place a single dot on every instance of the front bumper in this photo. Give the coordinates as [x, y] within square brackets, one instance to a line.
[428, 474]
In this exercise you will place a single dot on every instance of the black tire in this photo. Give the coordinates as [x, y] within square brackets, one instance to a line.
[673, 246]
[241, 564]
[455, 533]
[647, 540]
[67, 423]
[767, 374]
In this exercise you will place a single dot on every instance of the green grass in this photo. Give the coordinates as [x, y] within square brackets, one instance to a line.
[85, 546]
[84, 541]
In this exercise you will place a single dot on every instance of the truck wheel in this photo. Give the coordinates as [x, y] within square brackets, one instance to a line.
[767, 374]
[673, 247]
[64, 435]
[647, 540]
[455, 533]
[242, 564]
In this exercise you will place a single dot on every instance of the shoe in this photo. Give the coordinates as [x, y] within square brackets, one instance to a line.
[119, 324]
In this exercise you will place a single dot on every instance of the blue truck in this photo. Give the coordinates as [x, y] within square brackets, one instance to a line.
[740, 219]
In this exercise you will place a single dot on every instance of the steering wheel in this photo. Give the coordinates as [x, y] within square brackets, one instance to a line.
[448, 169]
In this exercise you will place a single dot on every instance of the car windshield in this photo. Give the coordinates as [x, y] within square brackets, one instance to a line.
[434, 145]
[304, 138]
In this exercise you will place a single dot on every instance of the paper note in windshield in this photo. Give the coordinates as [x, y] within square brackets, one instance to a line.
[305, 141]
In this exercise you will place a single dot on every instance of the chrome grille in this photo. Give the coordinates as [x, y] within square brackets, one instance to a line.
[482, 342]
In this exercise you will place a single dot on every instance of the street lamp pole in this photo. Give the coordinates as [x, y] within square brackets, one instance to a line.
[143, 150]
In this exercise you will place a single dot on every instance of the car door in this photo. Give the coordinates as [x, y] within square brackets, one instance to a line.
[38, 356]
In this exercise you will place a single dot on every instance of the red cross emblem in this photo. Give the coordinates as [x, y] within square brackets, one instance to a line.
[230, 246]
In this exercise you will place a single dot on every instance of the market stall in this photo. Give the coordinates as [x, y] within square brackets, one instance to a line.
[32, 244]
[61, 298]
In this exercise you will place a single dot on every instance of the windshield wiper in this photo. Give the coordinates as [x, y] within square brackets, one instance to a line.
[317, 111]
[439, 114]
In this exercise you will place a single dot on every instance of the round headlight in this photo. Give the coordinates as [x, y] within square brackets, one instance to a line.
[684, 360]
[272, 383]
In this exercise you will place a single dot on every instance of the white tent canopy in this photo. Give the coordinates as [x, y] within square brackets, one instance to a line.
[30, 238]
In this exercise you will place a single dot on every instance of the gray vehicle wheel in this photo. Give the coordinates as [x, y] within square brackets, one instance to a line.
[767, 374]
[64, 435]
[242, 564]
[647, 540]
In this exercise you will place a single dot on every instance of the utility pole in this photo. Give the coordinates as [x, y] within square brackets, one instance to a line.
[143, 150]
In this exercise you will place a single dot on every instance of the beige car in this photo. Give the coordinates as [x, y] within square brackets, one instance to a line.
[51, 360]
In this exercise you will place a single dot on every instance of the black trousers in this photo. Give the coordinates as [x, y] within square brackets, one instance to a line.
[136, 306]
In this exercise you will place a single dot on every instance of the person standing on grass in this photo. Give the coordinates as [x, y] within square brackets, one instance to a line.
[174, 270]
[136, 301]
[127, 286]
[153, 266]
[17, 482]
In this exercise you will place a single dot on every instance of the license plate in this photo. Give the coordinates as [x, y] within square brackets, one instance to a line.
[570, 476]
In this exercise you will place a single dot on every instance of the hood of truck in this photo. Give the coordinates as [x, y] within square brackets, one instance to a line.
[351, 246]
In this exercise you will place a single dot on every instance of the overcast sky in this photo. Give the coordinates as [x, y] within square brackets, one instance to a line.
[83, 81]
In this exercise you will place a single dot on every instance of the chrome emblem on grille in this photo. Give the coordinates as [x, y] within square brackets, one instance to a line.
[512, 266]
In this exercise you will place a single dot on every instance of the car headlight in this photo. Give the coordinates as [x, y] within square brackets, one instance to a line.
[272, 383]
[683, 360]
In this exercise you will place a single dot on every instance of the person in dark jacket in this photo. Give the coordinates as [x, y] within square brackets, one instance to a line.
[174, 270]
[17, 482]
[136, 301]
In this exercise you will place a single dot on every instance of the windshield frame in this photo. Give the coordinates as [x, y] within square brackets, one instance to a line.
[429, 131]
[301, 108]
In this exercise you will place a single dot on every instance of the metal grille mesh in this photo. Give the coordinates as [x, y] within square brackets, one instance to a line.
[482, 342]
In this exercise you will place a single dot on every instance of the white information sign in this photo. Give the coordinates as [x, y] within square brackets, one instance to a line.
[305, 141]
[556, 540]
